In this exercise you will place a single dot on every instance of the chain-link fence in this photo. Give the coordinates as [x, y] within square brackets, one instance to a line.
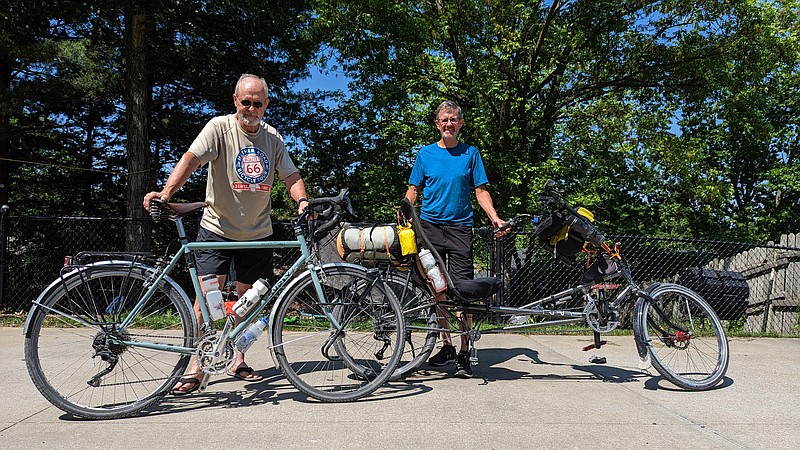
[34, 251]
[754, 288]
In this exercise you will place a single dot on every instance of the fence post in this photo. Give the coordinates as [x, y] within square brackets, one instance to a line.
[4, 231]
[768, 301]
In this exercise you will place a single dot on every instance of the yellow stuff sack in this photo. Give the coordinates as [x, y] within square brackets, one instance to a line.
[408, 241]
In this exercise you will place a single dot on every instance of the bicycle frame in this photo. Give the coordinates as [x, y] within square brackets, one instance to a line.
[186, 250]
[453, 304]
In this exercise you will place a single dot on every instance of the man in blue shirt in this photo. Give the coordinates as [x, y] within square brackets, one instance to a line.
[445, 173]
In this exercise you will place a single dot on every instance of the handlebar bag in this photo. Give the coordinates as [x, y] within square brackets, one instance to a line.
[366, 242]
[556, 237]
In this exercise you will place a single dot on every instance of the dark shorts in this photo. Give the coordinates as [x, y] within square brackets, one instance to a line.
[454, 245]
[249, 264]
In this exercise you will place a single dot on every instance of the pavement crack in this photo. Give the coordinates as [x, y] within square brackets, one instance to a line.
[24, 419]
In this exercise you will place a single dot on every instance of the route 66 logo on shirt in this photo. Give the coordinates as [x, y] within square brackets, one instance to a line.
[252, 165]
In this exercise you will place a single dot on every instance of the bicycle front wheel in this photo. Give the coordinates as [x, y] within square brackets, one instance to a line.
[345, 347]
[683, 337]
[74, 345]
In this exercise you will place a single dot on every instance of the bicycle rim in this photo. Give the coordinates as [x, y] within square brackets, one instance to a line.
[72, 347]
[685, 339]
[421, 323]
[331, 365]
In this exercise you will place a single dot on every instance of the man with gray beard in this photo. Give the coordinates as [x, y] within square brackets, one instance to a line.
[245, 157]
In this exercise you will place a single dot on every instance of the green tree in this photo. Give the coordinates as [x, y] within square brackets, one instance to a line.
[97, 112]
[55, 110]
[596, 94]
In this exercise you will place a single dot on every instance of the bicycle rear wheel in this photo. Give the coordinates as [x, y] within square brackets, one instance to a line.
[338, 364]
[73, 341]
[421, 322]
[683, 336]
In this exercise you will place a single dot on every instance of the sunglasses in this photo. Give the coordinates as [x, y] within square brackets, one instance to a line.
[247, 103]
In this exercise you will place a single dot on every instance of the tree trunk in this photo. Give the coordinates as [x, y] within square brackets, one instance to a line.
[5, 125]
[137, 96]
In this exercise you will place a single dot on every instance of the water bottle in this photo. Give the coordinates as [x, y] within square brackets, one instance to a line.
[432, 271]
[246, 340]
[251, 297]
[214, 300]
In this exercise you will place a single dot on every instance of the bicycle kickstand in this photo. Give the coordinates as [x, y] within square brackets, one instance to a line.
[473, 355]
[596, 359]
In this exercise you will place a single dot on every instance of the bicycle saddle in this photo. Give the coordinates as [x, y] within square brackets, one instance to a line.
[174, 210]
[466, 290]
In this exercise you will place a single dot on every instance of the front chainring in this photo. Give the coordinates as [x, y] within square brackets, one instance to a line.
[206, 358]
[602, 322]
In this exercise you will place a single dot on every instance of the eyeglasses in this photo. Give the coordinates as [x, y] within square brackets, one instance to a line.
[450, 120]
[247, 103]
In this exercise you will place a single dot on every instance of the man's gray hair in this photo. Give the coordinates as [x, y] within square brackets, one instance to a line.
[245, 76]
[449, 105]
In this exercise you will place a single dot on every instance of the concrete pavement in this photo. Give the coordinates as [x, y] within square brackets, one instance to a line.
[529, 391]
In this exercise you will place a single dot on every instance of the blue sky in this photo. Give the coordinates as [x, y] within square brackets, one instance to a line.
[324, 81]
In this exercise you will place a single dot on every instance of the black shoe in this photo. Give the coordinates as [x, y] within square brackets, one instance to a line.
[463, 367]
[446, 356]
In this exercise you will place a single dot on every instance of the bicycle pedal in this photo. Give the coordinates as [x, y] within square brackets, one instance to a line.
[597, 359]
[594, 347]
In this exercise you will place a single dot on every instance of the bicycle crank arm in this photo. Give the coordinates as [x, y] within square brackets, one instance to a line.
[218, 351]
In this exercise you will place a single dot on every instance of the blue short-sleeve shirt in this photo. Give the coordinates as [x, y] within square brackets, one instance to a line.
[447, 177]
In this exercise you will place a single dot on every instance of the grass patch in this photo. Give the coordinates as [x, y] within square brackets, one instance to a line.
[156, 322]
[12, 320]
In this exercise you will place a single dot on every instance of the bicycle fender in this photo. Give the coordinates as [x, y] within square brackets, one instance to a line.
[56, 284]
[641, 346]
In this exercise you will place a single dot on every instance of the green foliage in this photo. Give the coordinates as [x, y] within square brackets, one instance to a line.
[667, 118]
[66, 92]
[663, 117]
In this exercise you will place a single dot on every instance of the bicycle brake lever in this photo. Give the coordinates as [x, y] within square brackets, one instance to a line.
[350, 209]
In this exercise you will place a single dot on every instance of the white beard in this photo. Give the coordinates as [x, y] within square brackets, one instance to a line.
[249, 121]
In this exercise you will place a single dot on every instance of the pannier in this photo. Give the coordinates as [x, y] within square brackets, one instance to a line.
[365, 242]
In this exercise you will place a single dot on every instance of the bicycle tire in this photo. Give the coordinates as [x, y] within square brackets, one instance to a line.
[421, 323]
[684, 338]
[70, 339]
[331, 366]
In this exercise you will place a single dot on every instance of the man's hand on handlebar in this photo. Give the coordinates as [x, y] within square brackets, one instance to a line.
[302, 205]
[501, 227]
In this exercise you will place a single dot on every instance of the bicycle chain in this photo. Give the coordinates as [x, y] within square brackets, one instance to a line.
[157, 378]
[156, 336]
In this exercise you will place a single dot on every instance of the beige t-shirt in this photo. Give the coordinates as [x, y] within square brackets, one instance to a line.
[242, 168]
